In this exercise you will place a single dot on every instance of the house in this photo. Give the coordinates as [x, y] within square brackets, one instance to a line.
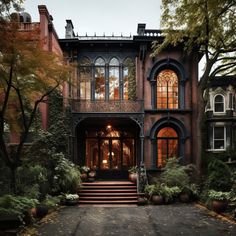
[220, 114]
[130, 108]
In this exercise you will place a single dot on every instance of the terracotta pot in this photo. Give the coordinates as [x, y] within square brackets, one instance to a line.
[133, 177]
[157, 199]
[184, 197]
[84, 176]
[219, 205]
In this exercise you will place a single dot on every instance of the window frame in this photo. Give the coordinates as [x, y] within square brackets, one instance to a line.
[214, 103]
[213, 138]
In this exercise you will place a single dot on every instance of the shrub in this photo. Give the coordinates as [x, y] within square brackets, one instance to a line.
[176, 174]
[66, 176]
[16, 204]
[218, 176]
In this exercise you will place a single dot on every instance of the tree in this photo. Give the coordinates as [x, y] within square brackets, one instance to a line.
[208, 26]
[28, 74]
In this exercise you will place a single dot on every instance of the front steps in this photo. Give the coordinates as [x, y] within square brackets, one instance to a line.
[108, 193]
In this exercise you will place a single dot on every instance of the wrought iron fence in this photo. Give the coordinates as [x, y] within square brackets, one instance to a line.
[112, 106]
[142, 179]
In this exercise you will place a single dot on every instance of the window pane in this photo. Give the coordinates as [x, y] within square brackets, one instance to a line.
[100, 62]
[92, 153]
[85, 77]
[100, 83]
[167, 90]
[219, 138]
[129, 80]
[128, 153]
[114, 85]
[167, 145]
[219, 103]
[219, 133]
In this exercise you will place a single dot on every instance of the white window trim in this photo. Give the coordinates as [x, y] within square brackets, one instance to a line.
[213, 137]
[219, 112]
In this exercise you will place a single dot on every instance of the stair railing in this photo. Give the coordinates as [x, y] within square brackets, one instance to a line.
[142, 179]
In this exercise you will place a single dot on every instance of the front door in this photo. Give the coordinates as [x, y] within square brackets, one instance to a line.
[110, 154]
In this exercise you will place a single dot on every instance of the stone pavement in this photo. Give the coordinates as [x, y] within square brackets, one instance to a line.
[164, 220]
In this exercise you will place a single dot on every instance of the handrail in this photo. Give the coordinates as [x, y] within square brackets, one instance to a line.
[142, 179]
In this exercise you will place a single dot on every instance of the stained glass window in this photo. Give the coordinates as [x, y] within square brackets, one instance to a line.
[167, 90]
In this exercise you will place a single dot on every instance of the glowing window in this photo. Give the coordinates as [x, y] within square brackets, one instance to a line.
[167, 145]
[167, 90]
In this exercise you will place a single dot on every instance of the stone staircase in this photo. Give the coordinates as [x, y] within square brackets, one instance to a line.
[108, 193]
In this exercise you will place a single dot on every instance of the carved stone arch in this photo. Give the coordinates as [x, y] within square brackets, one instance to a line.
[176, 67]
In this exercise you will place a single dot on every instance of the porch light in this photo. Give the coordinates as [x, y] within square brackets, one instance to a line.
[104, 161]
[108, 126]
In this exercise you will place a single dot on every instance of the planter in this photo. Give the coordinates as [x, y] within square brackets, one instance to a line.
[41, 210]
[184, 197]
[157, 200]
[219, 205]
[84, 177]
[71, 202]
[133, 177]
[142, 201]
[10, 221]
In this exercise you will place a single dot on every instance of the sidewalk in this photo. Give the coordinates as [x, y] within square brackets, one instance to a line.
[175, 219]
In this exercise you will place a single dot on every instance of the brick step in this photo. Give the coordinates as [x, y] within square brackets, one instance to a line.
[108, 202]
[108, 187]
[110, 183]
[108, 194]
[108, 191]
[108, 198]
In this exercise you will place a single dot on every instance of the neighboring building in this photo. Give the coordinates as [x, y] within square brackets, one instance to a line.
[221, 116]
[127, 107]
[49, 42]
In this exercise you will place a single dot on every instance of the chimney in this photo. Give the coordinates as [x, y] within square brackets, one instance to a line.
[141, 29]
[69, 29]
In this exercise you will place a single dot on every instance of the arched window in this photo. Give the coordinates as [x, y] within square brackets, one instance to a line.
[219, 103]
[167, 90]
[85, 78]
[167, 145]
[129, 80]
[100, 79]
[114, 79]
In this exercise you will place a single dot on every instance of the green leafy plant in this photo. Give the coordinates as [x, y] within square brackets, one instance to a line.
[176, 174]
[219, 176]
[84, 169]
[66, 176]
[218, 195]
[133, 169]
[16, 204]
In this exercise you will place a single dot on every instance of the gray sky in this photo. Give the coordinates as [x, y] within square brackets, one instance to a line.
[103, 16]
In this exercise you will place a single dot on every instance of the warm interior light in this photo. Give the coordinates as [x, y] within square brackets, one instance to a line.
[108, 126]
[104, 161]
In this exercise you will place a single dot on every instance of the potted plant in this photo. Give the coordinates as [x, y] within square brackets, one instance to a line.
[133, 174]
[84, 172]
[219, 200]
[188, 193]
[155, 193]
[170, 193]
[92, 175]
[71, 199]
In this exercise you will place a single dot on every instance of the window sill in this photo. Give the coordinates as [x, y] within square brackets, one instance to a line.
[216, 150]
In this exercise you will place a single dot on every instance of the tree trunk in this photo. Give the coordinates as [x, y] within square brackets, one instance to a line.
[13, 179]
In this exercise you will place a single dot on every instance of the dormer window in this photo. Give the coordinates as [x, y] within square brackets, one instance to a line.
[219, 104]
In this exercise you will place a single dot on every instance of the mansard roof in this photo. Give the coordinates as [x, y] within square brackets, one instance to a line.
[222, 81]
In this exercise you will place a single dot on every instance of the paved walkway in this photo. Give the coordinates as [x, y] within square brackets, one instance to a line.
[165, 220]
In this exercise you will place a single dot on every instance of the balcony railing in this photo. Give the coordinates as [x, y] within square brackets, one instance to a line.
[112, 106]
